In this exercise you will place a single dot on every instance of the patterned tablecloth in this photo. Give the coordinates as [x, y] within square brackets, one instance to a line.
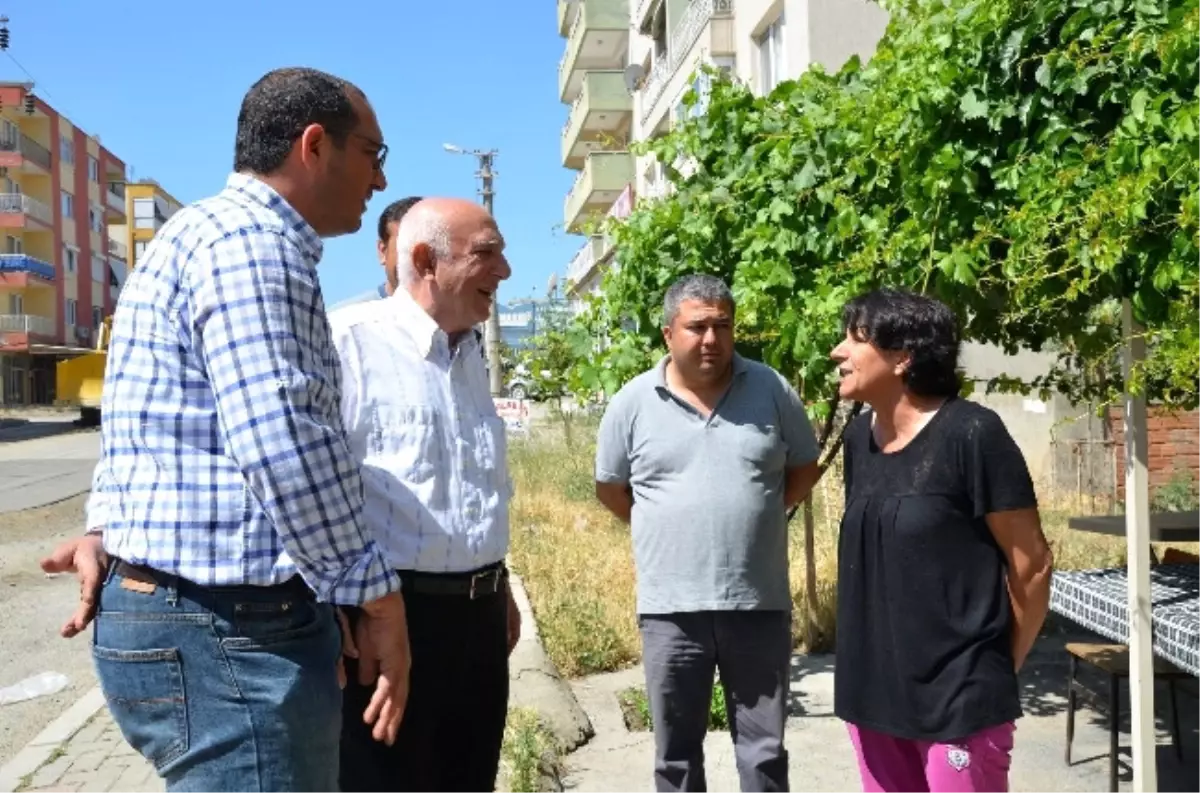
[1098, 600]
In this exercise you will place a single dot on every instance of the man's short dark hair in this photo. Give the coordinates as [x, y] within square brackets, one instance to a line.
[394, 213]
[277, 109]
[923, 327]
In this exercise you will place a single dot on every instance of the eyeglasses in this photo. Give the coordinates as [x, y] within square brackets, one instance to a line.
[379, 154]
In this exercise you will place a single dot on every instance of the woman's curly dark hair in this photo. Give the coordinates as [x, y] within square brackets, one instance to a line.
[925, 328]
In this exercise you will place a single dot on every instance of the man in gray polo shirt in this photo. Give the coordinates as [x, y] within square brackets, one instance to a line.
[703, 455]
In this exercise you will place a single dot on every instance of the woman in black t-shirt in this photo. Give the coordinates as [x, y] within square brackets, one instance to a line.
[943, 570]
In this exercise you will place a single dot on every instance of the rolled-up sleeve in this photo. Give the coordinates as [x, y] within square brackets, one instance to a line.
[264, 341]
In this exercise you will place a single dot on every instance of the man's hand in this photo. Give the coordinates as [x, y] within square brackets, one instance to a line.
[381, 639]
[85, 557]
[514, 619]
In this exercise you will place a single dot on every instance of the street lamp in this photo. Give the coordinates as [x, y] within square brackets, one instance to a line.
[492, 328]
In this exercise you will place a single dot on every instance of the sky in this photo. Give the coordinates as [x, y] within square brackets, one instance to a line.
[160, 83]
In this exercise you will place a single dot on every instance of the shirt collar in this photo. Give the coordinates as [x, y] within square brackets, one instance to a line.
[424, 330]
[253, 190]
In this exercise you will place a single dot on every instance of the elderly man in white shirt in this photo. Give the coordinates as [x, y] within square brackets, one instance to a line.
[418, 413]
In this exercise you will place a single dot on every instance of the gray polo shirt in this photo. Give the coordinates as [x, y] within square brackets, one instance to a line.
[709, 525]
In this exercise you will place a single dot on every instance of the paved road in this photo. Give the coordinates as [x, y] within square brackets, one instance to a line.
[45, 461]
[32, 607]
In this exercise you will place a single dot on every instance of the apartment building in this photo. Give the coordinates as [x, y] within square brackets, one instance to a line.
[628, 64]
[60, 191]
[147, 207]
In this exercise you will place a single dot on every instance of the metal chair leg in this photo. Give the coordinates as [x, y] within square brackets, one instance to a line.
[1114, 729]
[1071, 701]
[1174, 719]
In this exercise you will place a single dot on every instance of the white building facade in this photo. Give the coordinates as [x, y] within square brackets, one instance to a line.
[628, 64]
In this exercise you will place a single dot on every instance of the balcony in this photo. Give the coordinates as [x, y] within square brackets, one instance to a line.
[25, 154]
[605, 174]
[709, 22]
[26, 265]
[16, 209]
[599, 119]
[118, 249]
[567, 9]
[114, 198]
[599, 39]
[641, 12]
[26, 325]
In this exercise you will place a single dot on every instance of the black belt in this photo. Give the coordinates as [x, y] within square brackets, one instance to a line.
[148, 575]
[475, 584]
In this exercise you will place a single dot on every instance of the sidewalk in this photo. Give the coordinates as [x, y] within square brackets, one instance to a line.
[81, 751]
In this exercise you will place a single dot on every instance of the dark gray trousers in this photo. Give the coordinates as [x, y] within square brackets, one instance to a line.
[752, 651]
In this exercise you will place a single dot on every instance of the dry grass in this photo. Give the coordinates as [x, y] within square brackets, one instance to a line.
[577, 565]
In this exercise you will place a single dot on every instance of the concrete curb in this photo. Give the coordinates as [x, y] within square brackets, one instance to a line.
[535, 683]
[38, 751]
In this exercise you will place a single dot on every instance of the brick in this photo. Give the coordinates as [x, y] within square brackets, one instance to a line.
[50, 773]
[88, 762]
[123, 749]
[106, 777]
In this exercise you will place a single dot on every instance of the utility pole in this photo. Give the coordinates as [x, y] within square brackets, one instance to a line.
[492, 328]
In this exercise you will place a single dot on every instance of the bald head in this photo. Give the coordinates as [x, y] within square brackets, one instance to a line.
[450, 258]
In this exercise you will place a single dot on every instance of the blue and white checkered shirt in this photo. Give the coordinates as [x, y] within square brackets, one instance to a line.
[224, 460]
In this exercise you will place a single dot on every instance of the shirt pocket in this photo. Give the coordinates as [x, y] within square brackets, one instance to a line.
[407, 441]
[491, 452]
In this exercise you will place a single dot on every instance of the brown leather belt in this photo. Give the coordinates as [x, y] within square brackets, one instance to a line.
[476, 584]
[148, 575]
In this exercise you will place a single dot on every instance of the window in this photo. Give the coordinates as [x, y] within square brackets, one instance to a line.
[66, 149]
[9, 136]
[97, 317]
[68, 205]
[13, 244]
[72, 310]
[139, 248]
[93, 169]
[96, 218]
[16, 304]
[70, 259]
[99, 268]
[771, 64]
[143, 213]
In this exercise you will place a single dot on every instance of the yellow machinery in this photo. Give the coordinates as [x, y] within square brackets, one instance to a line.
[81, 379]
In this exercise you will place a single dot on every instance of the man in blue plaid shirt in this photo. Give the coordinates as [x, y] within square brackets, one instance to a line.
[228, 500]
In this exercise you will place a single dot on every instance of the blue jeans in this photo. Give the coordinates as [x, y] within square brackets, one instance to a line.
[222, 688]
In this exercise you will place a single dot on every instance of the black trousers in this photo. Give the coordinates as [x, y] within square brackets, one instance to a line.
[457, 703]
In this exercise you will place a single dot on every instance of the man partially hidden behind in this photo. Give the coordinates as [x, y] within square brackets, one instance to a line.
[385, 249]
[419, 417]
[703, 455]
[229, 502]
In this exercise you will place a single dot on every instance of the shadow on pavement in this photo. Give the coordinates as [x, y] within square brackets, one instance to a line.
[1044, 690]
[13, 430]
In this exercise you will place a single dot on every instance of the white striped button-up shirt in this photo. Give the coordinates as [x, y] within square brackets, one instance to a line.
[419, 415]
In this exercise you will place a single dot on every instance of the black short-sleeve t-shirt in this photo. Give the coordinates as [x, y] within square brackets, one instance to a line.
[924, 622]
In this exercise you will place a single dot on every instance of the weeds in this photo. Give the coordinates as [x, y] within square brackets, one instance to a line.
[577, 561]
[531, 757]
[635, 708]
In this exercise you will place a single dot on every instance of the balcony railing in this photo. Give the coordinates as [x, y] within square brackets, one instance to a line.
[29, 149]
[26, 323]
[582, 262]
[24, 263]
[679, 45]
[115, 195]
[118, 249]
[20, 204]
